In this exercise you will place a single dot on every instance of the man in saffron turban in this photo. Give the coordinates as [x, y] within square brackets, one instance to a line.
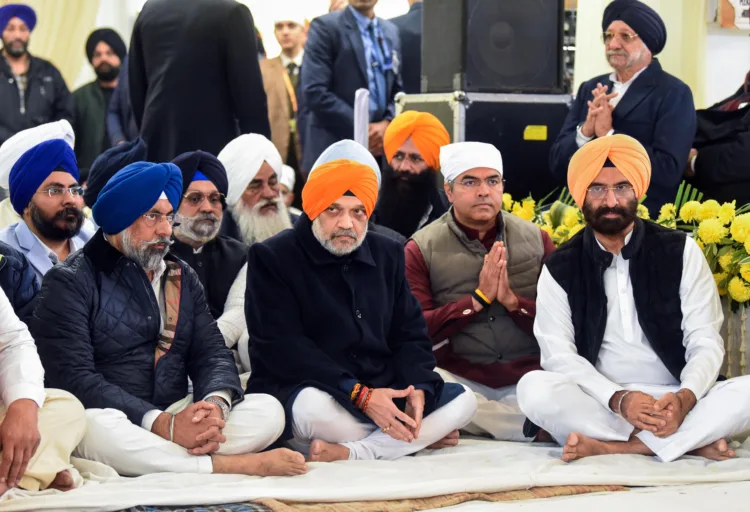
[628, 320]
[410, 198]
[341, 341]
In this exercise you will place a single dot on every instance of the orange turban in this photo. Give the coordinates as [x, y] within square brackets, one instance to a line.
[428, 134]
[328, 182]
[626, 153]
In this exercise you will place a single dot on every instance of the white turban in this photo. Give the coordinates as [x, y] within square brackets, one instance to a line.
[348, 150]
[456, 159]
[287, 14]
[243, 158]
[287, 178]
[21, 142]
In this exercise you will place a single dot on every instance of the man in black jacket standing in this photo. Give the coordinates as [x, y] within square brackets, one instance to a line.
[189, 70]
[32, 91]
[132, 322]
[410, 32]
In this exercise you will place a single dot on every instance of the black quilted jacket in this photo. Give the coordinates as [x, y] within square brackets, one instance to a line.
[18, 281]
[96, 325]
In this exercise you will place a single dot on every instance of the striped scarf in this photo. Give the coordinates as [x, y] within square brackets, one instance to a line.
[172, 288]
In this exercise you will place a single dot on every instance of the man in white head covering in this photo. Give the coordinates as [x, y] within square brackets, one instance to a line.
[474, 271]
[288, 181]
[254, 168]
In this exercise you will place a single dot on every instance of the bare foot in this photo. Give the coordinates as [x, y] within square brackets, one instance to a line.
[718, 450]
[279, 462]
[320, 451]
[446, 442]
[63, 481]
[578, 446]
[3, 488]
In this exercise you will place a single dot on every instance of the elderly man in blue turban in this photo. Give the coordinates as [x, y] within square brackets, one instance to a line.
[45, 192]
[123, 325]
[638, 99]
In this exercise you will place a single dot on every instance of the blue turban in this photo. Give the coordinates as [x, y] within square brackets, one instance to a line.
[35, 166]
[108, 163]
[640, 17]
[24, 12]
[133, 191]
[207, 164]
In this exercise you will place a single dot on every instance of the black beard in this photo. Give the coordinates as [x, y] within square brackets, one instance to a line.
[49, 229]
[106, 72]
[596, 220]
[404, 199]
[16, 52]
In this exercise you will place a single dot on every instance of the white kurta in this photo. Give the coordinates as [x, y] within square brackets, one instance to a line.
[573, 395]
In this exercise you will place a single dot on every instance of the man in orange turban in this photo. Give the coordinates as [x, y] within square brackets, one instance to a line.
[337, 336]
[628, 320]
[411, 198]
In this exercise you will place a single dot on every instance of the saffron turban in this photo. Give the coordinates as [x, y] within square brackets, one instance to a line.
[645, 21]
[287, 178]
[355, 172]
[457, 158]
[242, 158]
[624, 152]
[206, 165]
[133, 191]
[24, 12]
[35, 166]
[108, 36]
[108, 163]
[425, 130]
[21, 142]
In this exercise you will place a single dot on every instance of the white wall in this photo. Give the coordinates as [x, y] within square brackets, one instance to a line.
[727, 63]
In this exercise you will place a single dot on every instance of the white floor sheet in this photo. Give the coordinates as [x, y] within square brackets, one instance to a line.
[473, 466]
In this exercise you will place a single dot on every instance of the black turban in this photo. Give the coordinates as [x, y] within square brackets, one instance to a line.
[645, 21]
[108, 163]
[204, 163]
[108, 36]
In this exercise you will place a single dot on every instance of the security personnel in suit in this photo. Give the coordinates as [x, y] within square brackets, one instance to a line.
[410, 31]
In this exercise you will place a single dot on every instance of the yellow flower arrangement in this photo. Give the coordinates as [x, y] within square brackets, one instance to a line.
[708, 210]
[725, 260]
[643, 212]
[689, 211]
[571, 218]
[726, 213]
[721, 282]
[745, 271]
[739, 289]
[667, 212]
[507, 202]
[740, 228]
[711, 231]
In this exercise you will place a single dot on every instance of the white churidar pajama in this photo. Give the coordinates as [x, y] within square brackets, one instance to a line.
[573, 395]
[317, 415]
[498, 414]
[131, 450]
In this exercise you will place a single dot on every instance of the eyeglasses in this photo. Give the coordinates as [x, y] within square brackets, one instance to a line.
[625, 37]
[621, 192]
[196, 198]
[152, 219]
[475, 183]
[76, 191]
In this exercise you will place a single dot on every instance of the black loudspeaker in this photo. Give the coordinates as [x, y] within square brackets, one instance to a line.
[507, 46]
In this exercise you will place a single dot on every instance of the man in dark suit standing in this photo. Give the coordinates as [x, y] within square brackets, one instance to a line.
[192, 85]
[348, 50]
[638, 99]
[410, 32]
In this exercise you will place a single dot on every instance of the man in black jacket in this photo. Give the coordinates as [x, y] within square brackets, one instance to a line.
[32, 91]
[410, 32]
[189, 68]
[18, 281]
[123, 326]
[628, 320]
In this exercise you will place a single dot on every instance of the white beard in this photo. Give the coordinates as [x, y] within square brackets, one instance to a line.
[327, 243]
[255, 227]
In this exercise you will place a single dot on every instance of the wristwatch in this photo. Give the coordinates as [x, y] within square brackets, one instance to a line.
[221, 404]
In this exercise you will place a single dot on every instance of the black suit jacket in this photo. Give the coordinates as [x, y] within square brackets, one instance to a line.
[410, 32]
[192, 69]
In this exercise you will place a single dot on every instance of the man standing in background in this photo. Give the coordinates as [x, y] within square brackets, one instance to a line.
[281, 83]
[410, 31]
[32, 90]
[105, 50]
[190, 72]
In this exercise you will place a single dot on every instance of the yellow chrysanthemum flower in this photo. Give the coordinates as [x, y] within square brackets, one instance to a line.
[740, 228]
[721, 282]
[575, 229]
[524, 213]
[745, 271]
[667, 212]
[570, 217]
[708, 210]
[643, 212]
[711, 231]
[547, 230]
[689, 211]
[547, 219]
[528, 204]
[726, 213]
[507, 202]
[725, 260]
[738, 289]
[747, 245]
[697, 241]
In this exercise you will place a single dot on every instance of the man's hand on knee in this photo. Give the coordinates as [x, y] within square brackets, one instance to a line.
[387, 416]
[197, 426]
[19, 438]
[637, 408]
[673, 409]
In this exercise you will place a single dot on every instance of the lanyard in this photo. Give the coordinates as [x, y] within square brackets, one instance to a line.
[290, 90]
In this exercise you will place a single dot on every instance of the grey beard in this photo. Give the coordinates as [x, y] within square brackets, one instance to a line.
[191, 228]
[255, 227]
[142, 253]
[327, 242]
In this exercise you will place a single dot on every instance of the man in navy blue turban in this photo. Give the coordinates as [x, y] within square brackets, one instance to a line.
[638, 99]
[132, 322]
[45, 192]
[108, 163]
